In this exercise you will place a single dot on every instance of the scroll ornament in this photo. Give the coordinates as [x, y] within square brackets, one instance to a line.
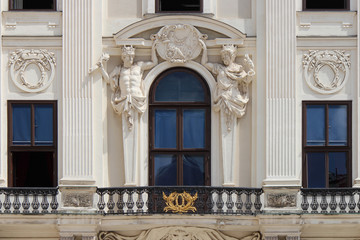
[20, 62]
[179, 43]
[177, 233]
[317, 65]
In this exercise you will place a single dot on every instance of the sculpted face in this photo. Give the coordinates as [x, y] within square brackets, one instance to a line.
[128, 58]
[227, 57]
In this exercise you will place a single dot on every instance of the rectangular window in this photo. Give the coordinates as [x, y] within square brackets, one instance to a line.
[326, 144]
[32, 143]
[326, 5]
[181, 6]
[42, 5]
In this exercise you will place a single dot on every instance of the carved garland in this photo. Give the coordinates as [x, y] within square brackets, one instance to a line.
[19, 62]
[314, 64]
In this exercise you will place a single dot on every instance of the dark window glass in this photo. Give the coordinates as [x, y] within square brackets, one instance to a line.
[315, 128]
[165, 129]
[44, 124]
[165, 167]
[179, 5]
[21, 124]
[337, 169]
[194, 128]
[194, 170]
[179, 87]
[32, 4]
[179, 129]
[326, 4]
[32, 144]
[316, 170]
[327, 144]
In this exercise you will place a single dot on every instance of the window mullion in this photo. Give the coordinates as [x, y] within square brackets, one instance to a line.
[327, 125]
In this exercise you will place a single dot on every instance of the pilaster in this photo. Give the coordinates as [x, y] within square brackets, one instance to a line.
[282, 168]
[78, 114]
[357, 106]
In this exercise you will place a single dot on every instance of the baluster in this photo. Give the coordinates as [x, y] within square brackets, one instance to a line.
[342, 203]
[219, 202]
[54, 204]
[130, 202]
[101, 203]
[248, 203]
[149, 203]
[7, 203]
[314, 204]
[352, 204]
[209, 202]
[1, 202]
[45, 204]
[229, 202]
[110, 204]
[35, 204]
[305, 204]
[139, 201]
[26, 204]
[333, 204]
[120, 203]
[323, 203]
[16, 204]
[239, 203]
[257, 203]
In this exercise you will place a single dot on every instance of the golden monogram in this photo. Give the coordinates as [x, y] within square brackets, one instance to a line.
[180, 202]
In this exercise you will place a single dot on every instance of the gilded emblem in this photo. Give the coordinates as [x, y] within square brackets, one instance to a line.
[180, 202]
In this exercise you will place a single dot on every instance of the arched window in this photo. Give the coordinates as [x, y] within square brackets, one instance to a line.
[179, 129]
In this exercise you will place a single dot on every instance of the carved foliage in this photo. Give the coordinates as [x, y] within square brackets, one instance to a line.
[180, 202]
[178, 43]
[177, 233]
[75, 199]
[319, 63]
[20, 62]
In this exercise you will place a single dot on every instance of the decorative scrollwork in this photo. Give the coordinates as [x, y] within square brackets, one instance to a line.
[316, 63]
[180, 202]
[19, 62]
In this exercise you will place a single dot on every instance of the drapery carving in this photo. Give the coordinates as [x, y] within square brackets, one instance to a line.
[232, 90]
[177, 233]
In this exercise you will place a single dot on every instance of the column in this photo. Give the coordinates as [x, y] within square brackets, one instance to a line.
[356, 107]
[81, 102]
[3, 129]
[281, 157]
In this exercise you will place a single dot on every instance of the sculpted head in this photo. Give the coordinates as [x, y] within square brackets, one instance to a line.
[128, 54]
[228, 54]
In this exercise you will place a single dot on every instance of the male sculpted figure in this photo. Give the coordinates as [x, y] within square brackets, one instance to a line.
[126, 82]
[231, 93]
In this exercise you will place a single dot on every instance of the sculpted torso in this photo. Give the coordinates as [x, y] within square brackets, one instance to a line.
[130, 81]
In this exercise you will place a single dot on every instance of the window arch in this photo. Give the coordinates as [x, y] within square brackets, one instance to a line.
[179, 129]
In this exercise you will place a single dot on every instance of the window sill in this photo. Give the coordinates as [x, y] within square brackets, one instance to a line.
[41, 23]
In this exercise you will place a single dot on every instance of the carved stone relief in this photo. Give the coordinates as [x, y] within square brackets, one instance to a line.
[177, 233]
[26, 66]
[179, 43]
[326, 71]
[75, 199]
[280, 200]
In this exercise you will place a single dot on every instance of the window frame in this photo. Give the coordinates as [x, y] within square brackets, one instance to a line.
[327, 148]
[157, 8]
[32, 147]
[11, 4]
[180, 107]
[347, 3]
